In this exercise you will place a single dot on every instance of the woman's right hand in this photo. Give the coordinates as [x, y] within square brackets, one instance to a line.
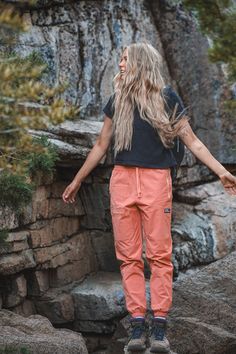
[70, 192]
[92, 160]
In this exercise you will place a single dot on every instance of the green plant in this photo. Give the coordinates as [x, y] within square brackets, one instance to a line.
[15, 191]
[3, 237]
[217, 20]
[43, 160]
[4, 245]
[25, 101]
[33, 59]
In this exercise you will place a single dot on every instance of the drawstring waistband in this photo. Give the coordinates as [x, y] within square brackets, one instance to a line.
[138, 182]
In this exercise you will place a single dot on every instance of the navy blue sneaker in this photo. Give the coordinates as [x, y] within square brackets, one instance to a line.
[158, 341]
[137, 339]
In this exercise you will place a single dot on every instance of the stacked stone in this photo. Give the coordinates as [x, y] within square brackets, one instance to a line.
[45, 247]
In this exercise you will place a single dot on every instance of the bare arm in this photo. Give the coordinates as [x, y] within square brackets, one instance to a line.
[92, 160]
[197, 147]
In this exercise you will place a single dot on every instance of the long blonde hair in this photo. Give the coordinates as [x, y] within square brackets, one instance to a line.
[141, 86]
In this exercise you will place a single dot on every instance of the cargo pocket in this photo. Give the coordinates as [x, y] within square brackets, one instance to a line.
[119, 221]
[127, 230]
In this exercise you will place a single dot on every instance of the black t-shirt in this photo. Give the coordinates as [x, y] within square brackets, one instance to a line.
[147, 149]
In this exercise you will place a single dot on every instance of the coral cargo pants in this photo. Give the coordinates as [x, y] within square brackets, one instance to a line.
[141, 207]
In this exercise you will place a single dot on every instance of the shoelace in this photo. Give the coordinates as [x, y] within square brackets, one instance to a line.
[158, 332]
[137, 331]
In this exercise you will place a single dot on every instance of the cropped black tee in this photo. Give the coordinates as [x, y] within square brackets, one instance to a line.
[147, 149]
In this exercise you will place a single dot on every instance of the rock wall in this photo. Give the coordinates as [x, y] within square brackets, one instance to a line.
[94, 33]
[52, 244]
[201, 84]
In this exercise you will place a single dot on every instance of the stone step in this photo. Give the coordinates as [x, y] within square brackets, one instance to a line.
[147, 351]
[99, 303]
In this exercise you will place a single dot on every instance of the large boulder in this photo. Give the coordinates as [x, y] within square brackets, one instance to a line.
[73, 140]
[203, 317]
[202, 84]
[35, 334]
[204, 225]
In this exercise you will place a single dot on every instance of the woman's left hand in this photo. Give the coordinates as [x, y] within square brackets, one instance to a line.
[229, 182]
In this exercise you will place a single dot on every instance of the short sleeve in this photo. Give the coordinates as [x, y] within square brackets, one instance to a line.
[173, 100]
[109, 107]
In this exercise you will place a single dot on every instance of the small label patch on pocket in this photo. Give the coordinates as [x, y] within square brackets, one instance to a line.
[167, 210]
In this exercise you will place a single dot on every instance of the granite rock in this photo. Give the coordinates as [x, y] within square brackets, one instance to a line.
[203, 225]
[16, 262]
[100, 297]
[36, 334]
[14, 290]
[203, 319]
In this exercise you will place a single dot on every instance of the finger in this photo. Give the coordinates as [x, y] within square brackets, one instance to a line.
[228, 185]
[65, 193]
[71, 199]
[229, 191]
[233, 190]
[66, 198]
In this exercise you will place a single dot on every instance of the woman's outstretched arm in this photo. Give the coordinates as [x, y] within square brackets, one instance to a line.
[196, 146]
[92, 160]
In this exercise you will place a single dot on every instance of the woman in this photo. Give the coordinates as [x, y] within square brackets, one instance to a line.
[142, 118]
